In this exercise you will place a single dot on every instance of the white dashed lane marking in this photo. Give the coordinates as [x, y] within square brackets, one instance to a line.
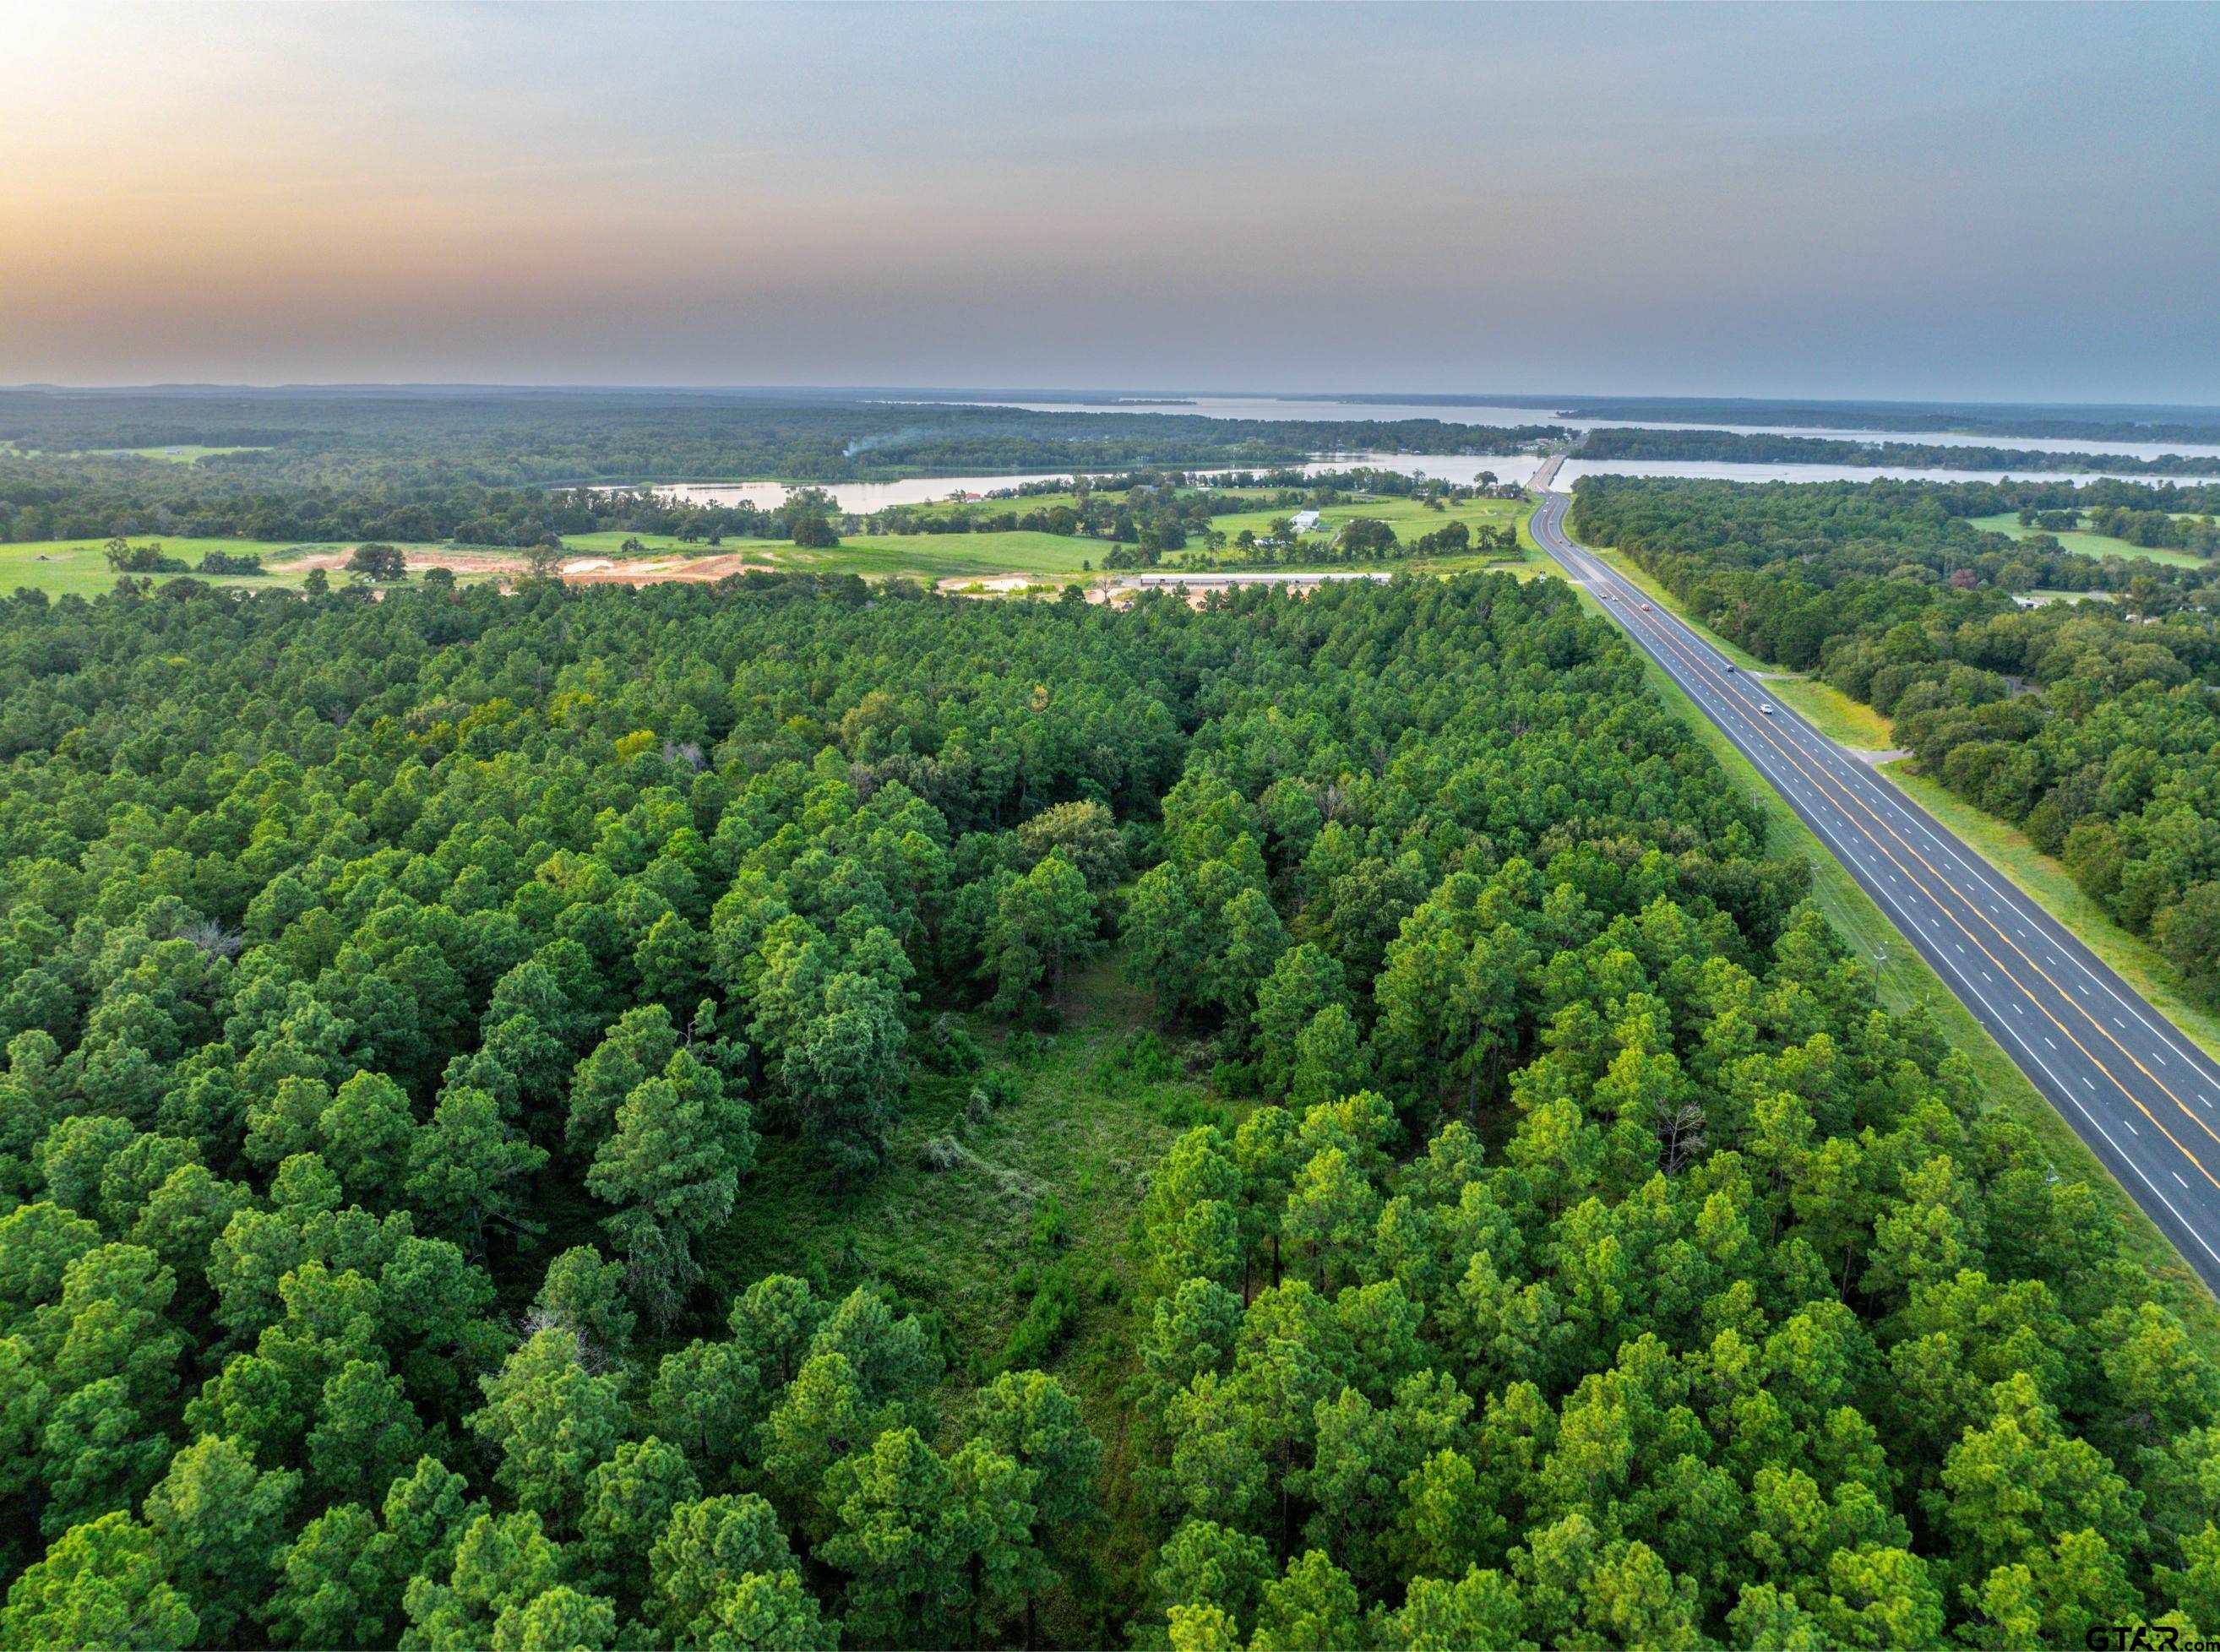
[1810, 794]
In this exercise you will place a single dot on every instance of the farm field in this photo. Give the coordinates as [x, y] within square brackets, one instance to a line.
[79, 567]
[2088, 545]
[929, 557]
[1408, 517]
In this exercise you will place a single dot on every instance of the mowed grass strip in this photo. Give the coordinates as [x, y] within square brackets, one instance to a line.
[2044, 880]
[1827, 708]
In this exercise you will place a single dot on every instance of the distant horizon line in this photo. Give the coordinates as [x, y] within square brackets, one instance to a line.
[1355, 398]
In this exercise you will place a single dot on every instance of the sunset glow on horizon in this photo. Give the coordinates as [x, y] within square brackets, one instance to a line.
[1408, 197]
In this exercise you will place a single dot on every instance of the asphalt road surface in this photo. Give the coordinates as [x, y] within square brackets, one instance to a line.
[2144, 1098]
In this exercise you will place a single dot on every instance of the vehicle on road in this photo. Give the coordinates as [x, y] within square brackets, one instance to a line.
[1765, 706]
[1731, 665]
[1646, 608]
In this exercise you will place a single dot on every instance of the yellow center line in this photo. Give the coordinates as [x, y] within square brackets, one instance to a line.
[1823, 778]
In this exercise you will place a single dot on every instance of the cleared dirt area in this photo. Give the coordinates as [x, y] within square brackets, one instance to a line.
[957, 584]
[657, 571]
[463, 562]
[579, 570]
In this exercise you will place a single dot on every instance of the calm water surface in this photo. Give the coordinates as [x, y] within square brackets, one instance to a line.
[1722, 471]
[864, 498]
[1283, 407]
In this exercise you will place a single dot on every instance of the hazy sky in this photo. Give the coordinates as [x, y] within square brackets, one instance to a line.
[2011, 203]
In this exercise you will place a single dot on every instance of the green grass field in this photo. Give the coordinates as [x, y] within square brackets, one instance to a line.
[1080, 1128]
[927, 556]
[934, 556]
[1905, 979]
[2088, 545]
[610, 542]
[183, 453]
[79, 567]
[1409, 518]
[188, 453]
[1051, 557]
[1034, 501]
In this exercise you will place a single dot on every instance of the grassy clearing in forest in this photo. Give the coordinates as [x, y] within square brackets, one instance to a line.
[1410, 518]
[1048, 1181]
[927, 556]
[1022, 1251]
[79, 567]
[2086, 543]
[184, 454]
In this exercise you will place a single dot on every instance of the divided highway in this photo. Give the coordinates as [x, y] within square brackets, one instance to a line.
[2140, 1093]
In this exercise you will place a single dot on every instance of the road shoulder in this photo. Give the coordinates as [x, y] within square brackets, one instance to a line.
[1905, 979]
[1864, 734]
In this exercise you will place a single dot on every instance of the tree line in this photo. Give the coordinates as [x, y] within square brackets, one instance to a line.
[2154, 424]
[509, 438]
[400, 998]
[2159, 528]
[1771, 447]
[2092, 726]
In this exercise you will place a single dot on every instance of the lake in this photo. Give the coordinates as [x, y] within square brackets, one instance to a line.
[1324, 409]
[1723, 470]
[862, 498]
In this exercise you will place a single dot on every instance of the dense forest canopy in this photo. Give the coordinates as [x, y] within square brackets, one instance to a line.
[42, 499]
[401, 997]
[2096, 727]
[1767, 447]
[508, 438]
[520, 469]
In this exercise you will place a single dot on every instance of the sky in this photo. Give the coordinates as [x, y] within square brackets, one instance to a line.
[1975, 201]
